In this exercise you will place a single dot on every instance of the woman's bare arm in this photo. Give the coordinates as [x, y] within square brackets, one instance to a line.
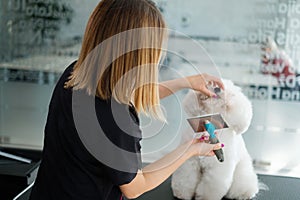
[154, 174]
[197, 82]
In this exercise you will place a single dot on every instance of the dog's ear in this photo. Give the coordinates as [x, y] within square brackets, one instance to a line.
[191, 104]
[238, 109]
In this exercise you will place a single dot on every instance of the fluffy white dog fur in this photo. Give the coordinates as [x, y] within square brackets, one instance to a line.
[205, 177]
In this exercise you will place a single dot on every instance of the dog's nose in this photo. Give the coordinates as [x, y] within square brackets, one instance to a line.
[217, 90]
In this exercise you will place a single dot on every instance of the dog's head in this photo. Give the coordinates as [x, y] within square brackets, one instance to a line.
[235, 107]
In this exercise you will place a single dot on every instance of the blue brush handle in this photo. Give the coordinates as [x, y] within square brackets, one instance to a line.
[210, 128]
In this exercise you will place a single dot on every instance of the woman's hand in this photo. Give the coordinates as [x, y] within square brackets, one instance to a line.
[197, 82]
[202, 81]
[201, 147]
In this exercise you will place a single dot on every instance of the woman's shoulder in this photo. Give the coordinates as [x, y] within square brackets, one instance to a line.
[68, 71]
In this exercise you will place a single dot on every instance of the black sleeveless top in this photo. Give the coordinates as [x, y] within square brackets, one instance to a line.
[72, 166]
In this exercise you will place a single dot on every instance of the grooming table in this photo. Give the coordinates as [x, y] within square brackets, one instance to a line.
[280, 188]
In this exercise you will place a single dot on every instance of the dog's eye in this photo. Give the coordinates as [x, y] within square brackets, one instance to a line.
[202, 97]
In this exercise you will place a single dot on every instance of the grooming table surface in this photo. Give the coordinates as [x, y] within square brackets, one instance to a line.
[280, 188]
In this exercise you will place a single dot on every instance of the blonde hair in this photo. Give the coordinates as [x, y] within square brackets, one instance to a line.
[120, 53]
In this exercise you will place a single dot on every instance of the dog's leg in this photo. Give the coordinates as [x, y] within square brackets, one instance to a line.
[215, 181]
[185, 179]
[245, 182]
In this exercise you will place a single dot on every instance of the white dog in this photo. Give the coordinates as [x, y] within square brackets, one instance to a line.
[205, 177]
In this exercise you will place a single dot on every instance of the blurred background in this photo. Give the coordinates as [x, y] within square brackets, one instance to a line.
[254, 43]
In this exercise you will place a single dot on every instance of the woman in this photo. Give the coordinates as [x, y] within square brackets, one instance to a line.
[116, 73]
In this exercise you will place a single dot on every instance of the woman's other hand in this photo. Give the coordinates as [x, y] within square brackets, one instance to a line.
[202, 81]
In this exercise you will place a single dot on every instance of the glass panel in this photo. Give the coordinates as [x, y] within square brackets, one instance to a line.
[256, 44]
[38, 40]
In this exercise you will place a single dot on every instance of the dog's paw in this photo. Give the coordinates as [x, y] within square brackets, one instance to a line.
[244, 195]
[182, 196]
